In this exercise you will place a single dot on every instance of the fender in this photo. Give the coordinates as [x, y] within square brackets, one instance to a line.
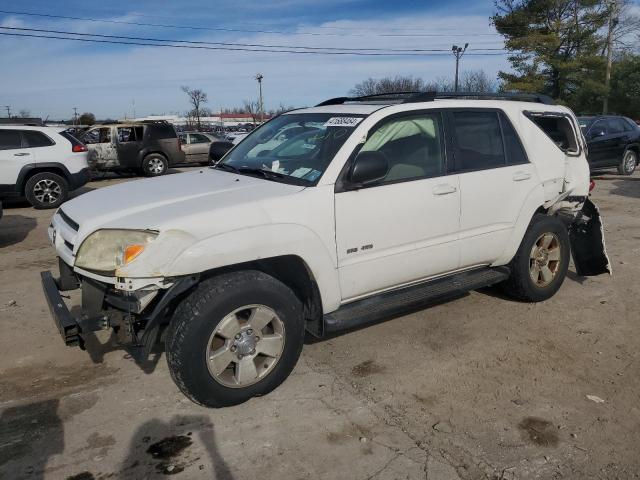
[532, 203]
[244, 245]
[25, 170]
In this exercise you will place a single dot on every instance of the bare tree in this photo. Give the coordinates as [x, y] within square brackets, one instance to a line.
[197, 97]
[372, 86]
[24, 113]
[252, 108]
[477, 81]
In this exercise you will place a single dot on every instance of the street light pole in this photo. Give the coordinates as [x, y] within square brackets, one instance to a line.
[75, 116]
[259, 78]
[612, 23]
[8, 110]
[458, 52]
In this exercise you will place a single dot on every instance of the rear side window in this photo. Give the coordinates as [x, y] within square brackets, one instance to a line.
[616, 125]
[36, 139]
[10, 139]
[599, 128]
[478, 140]
[558, 129]
[162, 131]
[512, 144]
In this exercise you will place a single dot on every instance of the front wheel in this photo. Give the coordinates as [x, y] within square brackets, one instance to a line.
[237, 336]
[540, 265]
[629, 163]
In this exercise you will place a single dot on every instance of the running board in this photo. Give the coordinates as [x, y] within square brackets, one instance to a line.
[407, 299]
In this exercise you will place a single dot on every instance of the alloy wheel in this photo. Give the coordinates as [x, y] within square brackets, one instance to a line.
[544, 260]
[245, 346]
[155, 165]
[47, 191]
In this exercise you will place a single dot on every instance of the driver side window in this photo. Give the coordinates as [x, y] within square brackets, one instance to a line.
[413, 147]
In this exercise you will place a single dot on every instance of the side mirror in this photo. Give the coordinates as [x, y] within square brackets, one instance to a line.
[368, 168]
[597, 133]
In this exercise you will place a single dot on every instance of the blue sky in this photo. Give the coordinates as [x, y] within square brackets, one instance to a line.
[49, 77]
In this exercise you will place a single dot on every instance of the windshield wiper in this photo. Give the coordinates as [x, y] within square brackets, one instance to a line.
[263, 172]
[224, 166]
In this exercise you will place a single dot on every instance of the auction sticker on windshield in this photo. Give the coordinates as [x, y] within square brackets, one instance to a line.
[342, 122]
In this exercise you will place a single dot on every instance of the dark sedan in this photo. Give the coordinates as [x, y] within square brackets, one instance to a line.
[613, 142]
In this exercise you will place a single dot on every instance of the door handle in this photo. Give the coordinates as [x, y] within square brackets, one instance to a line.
[520, 176]
[444, 189]
[23, 154]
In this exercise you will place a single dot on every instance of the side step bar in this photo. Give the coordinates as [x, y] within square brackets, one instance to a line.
[407, 299]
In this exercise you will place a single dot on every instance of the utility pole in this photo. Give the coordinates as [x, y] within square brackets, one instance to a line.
[8, 111]
[458, 52]
[75, 116]
[259, 78]
[613, 22]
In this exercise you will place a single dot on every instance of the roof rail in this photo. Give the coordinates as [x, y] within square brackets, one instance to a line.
[414, 97]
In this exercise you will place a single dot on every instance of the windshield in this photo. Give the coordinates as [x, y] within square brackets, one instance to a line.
[292, 148]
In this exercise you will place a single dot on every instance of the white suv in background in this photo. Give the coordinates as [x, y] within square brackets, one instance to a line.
[42, 164]
[325, 219]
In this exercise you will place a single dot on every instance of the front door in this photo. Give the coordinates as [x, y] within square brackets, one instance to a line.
[197, 148]
[404, 228]
[102, 148]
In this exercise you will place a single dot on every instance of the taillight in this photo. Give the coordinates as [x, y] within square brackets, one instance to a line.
[79, 148]
[592, 185]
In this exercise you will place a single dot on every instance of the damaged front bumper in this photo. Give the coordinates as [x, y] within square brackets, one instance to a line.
[136, 317]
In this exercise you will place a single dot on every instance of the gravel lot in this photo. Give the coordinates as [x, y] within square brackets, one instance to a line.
[481, 387]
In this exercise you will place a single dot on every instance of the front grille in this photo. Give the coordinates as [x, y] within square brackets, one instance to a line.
[68, 220]
[69, 245]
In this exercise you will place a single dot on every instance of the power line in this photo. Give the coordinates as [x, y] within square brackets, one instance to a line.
[244, 49]
[238, 30]
[229, 44]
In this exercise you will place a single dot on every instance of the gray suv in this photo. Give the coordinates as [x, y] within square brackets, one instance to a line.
[149, 148]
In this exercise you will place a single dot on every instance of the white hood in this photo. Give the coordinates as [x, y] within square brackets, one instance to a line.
[168, 202]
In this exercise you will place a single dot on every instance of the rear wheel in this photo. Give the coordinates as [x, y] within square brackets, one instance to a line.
[540, 265]
[629, 163]
[238, 335]
[46, 190]
[154, 165]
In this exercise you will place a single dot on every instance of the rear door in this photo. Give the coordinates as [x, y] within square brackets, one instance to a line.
[13, 156]
[129, 144]
[495, 178]
[620, 136]
[405, 228]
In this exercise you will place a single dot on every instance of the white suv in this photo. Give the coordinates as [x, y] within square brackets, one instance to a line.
[324, 219]
[42, 164]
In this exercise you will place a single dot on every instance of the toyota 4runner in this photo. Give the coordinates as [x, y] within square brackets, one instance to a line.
[326, 219]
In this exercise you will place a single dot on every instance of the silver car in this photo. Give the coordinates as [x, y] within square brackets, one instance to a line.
[195, 145]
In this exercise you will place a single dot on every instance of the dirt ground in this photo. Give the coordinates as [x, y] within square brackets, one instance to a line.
[480, 387]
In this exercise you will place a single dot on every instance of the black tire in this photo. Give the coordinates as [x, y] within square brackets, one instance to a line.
[628, 163]
[46, 190]
[521, 284]
[154, 165]
[196, 317]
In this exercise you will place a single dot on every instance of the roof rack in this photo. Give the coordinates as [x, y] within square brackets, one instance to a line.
[414, 97]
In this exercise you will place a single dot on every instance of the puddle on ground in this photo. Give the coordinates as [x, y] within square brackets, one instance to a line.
[539, 431]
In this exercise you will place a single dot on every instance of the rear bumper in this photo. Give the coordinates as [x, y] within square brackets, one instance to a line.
[77, 180]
